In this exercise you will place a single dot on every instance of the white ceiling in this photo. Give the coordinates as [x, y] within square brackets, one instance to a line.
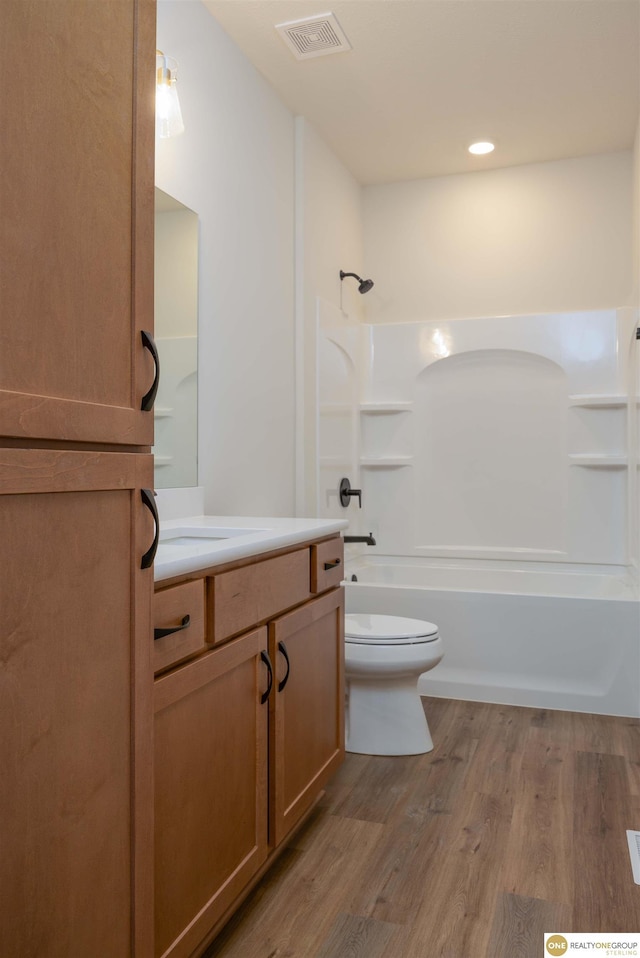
[544, 79]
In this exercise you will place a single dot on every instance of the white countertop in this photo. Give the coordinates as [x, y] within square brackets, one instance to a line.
[199, 542]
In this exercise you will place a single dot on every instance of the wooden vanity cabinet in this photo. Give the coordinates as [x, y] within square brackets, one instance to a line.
[246, 736]
[210, 789]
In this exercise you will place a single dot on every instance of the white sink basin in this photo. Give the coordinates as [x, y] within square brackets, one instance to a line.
[194, 536]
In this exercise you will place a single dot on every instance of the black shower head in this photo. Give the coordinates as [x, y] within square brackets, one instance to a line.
[364, 285]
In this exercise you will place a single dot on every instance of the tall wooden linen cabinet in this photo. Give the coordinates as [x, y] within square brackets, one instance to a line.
[76, 292]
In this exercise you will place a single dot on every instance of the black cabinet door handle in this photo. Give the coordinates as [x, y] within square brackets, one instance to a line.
[150, 503]
[331, 565]
[267, 661]
[161, 633]
[149, 398]
[283, 651]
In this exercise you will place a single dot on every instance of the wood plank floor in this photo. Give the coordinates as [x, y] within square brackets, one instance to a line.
[512, 826]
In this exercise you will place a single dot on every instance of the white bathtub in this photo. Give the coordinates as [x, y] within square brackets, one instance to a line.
[537, 638]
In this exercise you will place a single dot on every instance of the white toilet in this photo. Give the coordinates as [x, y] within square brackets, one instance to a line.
[384, 656]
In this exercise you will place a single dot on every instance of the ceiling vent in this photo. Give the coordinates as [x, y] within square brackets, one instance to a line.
[314, 36]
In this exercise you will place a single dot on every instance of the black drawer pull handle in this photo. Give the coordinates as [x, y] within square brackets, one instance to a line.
[149, 398]
[283, 651]
[267, 661]
[149, 502]
[160, 633]
[331, 565]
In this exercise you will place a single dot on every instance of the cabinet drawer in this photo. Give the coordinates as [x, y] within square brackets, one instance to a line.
[327, 564]
[241, 598]
[170, 606]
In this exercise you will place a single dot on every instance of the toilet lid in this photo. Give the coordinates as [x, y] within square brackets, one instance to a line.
[366, 628]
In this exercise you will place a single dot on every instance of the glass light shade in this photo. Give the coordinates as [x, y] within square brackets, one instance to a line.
[168, 112]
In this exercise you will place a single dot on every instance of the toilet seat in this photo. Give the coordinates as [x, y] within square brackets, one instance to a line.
[366, 629]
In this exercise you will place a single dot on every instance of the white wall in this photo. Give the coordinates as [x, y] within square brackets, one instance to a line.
[234, 166]
[542, 238]
[329, 224]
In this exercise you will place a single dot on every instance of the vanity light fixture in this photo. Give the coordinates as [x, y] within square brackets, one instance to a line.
[168, 113]
[479, 149]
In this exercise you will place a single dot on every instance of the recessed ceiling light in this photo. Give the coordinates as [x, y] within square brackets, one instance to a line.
[480, 148]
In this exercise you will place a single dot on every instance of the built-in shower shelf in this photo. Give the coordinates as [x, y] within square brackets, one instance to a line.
[162, 413]
[599, 401]
[598, 462]
[377, 408]
[385, 462]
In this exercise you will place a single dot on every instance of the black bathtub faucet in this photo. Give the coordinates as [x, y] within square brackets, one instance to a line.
[369, 540]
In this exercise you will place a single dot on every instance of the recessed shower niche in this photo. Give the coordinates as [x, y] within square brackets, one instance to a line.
[386, 430]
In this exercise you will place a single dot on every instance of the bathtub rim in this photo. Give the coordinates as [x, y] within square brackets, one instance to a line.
[617, 583]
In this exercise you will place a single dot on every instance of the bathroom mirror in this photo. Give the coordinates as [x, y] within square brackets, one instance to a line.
[176, 336]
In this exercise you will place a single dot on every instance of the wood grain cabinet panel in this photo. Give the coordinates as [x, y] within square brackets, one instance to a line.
[253, 593]
[306, 722]
[75, 788]
[327, 564]
[76, 233]
[211, 789]
[170, 608]
[76, 290]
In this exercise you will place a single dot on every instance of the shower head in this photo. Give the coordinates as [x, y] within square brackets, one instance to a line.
[364, 285]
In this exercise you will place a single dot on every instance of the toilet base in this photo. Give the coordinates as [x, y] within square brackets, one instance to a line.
[386, 718]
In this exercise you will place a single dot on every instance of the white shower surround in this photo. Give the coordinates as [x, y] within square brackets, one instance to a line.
[498, 462]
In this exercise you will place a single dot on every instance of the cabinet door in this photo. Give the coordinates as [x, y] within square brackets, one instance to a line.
[75, 667]
[306, 732]
[210, 789]
[76, 231]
